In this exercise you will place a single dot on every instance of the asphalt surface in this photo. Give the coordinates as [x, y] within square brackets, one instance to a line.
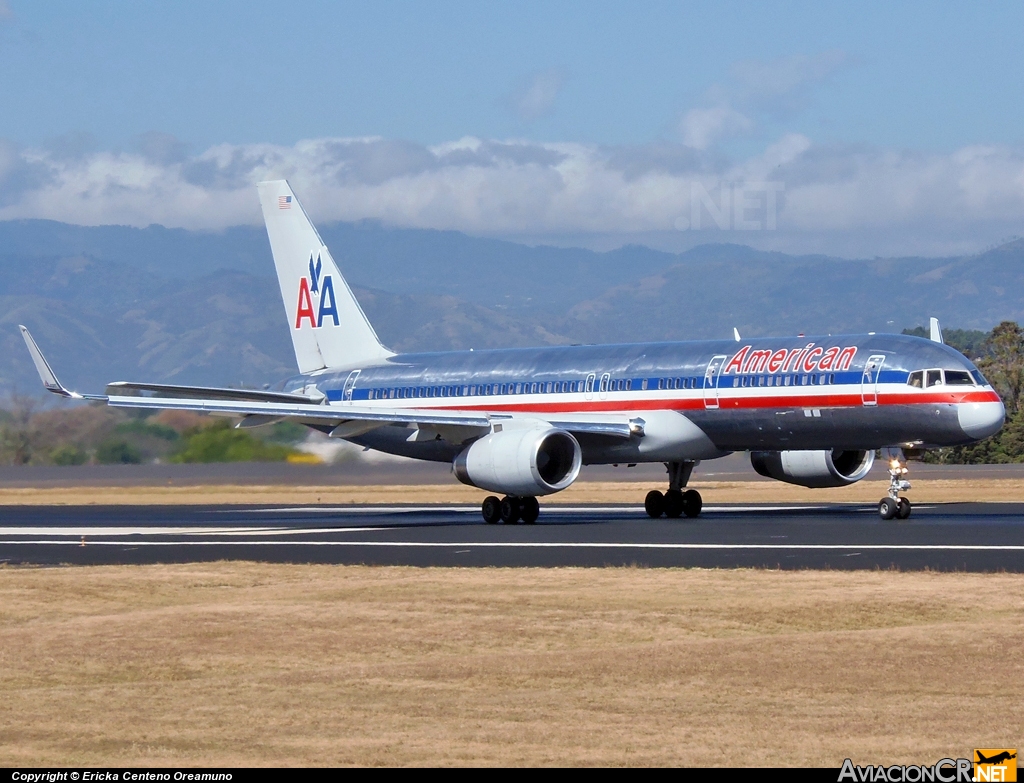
[947, 537]
[402, 472]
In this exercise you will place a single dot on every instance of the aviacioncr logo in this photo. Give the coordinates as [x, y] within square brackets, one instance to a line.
[323, 289]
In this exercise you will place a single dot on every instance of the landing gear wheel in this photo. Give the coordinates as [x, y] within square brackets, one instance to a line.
[673, 504]
[509, 510]
[491, 509]
[887, 508]
[692, 503]
[529, 510]
[903, 509]
[654, 504]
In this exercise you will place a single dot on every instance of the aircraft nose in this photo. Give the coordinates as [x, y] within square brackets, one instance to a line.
[980, 419]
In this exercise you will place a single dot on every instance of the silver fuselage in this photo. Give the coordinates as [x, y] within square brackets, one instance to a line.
[841, 392]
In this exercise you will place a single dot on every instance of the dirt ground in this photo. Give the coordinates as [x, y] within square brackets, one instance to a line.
[242, 663]
[924, 491]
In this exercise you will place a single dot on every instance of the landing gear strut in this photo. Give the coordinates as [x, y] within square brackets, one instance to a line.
[892, 506]
[675, 502]
[510, 510]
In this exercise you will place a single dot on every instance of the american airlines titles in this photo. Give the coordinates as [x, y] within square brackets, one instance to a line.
[808, 359]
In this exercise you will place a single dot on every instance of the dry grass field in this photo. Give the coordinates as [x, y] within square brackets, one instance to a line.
[925, 491]
[242, 663]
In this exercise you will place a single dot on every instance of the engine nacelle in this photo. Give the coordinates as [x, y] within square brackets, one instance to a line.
[832, 468]
[522, 461]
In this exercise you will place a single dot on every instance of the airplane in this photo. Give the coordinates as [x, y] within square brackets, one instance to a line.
[522, 422]
[999, 758]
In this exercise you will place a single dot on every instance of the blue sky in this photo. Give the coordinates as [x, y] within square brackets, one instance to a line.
[870, 85]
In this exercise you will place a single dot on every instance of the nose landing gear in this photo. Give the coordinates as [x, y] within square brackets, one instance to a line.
[892, 506]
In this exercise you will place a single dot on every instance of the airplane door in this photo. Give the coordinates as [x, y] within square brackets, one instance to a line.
[590, 386]
[869, 380]
[711, 376]
[605, 382]
[350, 383]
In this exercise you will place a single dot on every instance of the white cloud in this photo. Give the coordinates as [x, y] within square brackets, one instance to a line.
[537, 97]
[755, 88]
[699, 128]
[525, 189]
[5, 11]
[785, 81]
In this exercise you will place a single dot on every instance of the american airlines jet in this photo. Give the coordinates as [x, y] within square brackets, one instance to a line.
[521, 423]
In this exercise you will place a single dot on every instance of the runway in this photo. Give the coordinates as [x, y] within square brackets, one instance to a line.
[947, 537]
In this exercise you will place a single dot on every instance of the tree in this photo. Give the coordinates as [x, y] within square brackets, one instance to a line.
[1004, 364]
[16, 432]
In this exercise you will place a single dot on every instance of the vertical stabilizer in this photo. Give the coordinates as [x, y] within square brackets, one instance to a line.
[328, 327]
[935, 331]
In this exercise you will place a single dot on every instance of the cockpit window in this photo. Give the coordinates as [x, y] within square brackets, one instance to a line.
[979, 378]
[933, 378]
[916, 379]
[958, 378]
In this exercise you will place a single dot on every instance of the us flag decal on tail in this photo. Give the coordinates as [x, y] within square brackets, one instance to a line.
[284, 202]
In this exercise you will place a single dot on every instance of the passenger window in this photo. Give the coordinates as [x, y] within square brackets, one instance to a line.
[916, 379]
[958, 378]
[933, 378]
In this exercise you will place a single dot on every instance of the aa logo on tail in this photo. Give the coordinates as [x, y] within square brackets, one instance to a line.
[324, 291]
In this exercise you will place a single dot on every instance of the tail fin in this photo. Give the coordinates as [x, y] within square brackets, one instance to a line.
[328, 327]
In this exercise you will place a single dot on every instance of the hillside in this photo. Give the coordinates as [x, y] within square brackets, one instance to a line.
[202, 307]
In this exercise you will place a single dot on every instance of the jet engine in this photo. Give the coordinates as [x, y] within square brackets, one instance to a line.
[832, 468]
[521, 462]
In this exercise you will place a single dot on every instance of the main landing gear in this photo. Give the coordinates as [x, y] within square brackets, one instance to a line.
[510, 510]
[892, 506]
[676, 502]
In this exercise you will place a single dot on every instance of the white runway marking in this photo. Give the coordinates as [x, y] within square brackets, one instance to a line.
[89, 532]
[476, 509]
[551, 545]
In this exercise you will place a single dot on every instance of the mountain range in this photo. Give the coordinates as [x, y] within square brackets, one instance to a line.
[115, 303]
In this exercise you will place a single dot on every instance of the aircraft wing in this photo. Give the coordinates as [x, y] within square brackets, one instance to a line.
[208, 392]
[257, 407]
[619, 426]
